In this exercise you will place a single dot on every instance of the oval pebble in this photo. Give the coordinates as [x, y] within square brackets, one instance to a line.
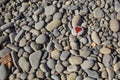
[75, 60]
[41, 39]
[95, 37]
[105, 50]
[114, 25]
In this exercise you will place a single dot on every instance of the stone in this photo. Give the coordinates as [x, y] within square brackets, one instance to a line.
[88, 78]
[110, 72]
[87, 64]
[23, 76]
[3, 39]
[41, 39]
[118, 15]
[30, 76]
[34, 59]
[23, 7]
[84, 40]
[76, 20]
[12, 77]
[4, 51]
[114, 25]
[13, 47]
[72, 68]
[28, 49]
[79, 78]
[55, 54]
[50, 47]
[74, 45]
[44, 67]
[105, 50]
[72, 76]
[12, 37]
[39, 25]
[92, 73]
[50, 10]
[35, 46]
[6, 26]
[58, 47]
[24, 64]
[57, 15]
[95, 37]
[53, 24]
[40, 74]
[51, 63]
[104, 74]
[59, 67]
[3, 72]
[64, 55]
[19, 35]
[84, 11]
[98, 13]
[117, 5]
[85, 52]
[55, 77]
[22, 42]
[38, 11]
[56, 32]
[107, 60]
[116, 66]
[75, 60]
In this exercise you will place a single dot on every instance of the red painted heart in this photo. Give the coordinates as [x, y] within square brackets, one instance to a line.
[78, 29]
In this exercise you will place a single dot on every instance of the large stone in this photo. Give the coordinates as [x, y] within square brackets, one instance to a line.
[87, 64]
[117, 5]
[95, 37]
[76, 20]
[105, 50]
[41, 39]
[50, 10]
[98, 13]
[114, 25]
[3, 72]
[107, 60]
[34, 59]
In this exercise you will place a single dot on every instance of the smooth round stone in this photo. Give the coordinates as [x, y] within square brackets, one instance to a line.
[23, 76]
[72, 68]
[95, 37]
[34, 59]
[114, 25]
[64, 56]
[55, 54]
[51, 63]
[104, 74]
[98, 13]
[118, 15]
[105, 50]
[30, 76]
[75, 60]
[50, 46]
[22, 42]
[116, 66]
[59, 67]
[41, 39]
[55, 77]
[110, 72]
[3, 72]
[76, 21]
[44, 67]
[24, 64]
[83, 40]
[49, 10]
[12, 77]
[72, 76]
[107, 60]
[56, 32]
[40, 74]
[79, 78]
[74, 45]
[57, 16]
[87, 64]
[39, 25]
[117, 5]
[84, 11]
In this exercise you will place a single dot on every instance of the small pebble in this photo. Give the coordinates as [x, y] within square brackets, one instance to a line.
[114, 25]
[105, 50]
[74, 60]
[41, 39]
[64, 55]
[98, 13]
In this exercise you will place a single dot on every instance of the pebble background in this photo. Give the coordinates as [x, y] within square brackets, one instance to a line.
[37, 35]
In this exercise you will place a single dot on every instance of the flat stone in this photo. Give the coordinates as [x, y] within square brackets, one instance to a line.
[76, 21]
[116, 66]
[72, 68]
[75, 60]
[55, 54]
[74, 45]
[118, 15]
[104, 74]
[3, 39]
[79, 78]
[84, 40]
[59, 67]
[105, 50]
[6, 26]
[13, 47]
[4, 51]
[50, 47]
[22, 42]
[41, 39]
[3, 72]
[35, 46]
[117, 6]
[49, 10]
[107, 60]
[40, 74]
[34, 59]
[51, 63]
[30, 76]
[114, 25]
[55, 77]
[87, 64]
[110, 72]
[28, 49]
[24, 64]
[57, 15]
[95, 37]
[23, 7]
[72, 76]
[88, 78]
[93, 74]
[84, 11]
[58, 47]
[19, 35]
[38, 11]
[64, 56]
[39, 25]
[53, 24]
[44, 67]
[98, 13]
[23, 76]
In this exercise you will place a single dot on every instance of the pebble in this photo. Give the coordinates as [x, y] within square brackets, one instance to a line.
[114, 25]
[74, 45]
[44, 67]
[95, 37]
[12, 37]
[117, 6]
[116, 66]
[79, 78]
[28, 49]
[87, 64]
[58, 47]
[55, 54]
[72, 68]
[55, 77]
[40, 74]
[24, 64]
[104, 74]
[110, 72]
[105, 50]
[83, 40]
[92, 73]
[50, 47]
[59, 67]
[53, 24]
[19, 35]
[30, 76]
[38, 11]
[6, 26]
[76, 20]
[72, 76]
[85, 52]
[3, 39]
[50, 10]
[12, 77]
[4, 52]
[88, 78]
[56, 32]
[75, 60]
[107, 60]
[41, 39]
[84, 11]
[64, 55]
[3, 72]
[39, 25]
[13, 47]
[23, 76]
[98, 13]
[57, 15]
[22, 42]
[51, 63]
[34, 59]
[118, 15]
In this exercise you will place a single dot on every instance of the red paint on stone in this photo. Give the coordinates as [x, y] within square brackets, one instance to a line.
[78, 29]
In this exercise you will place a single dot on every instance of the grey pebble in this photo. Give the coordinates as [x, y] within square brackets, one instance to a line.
[117, 6]
[19, 35]
[56, 32]
[13, 47]
[88, 78]
[55, 77]
[23, 76]
[83, 40]
[12, 37]
[44, 67]
[28, 49]
[38, 11]
[40, 74]
[3, 72]
[51, 63]
[79, 78]
[57, 15]
[110, 72]
[50, 46]
[98, 13]
[59, 67]
[4, 51]
[84, 11]
[58, 47]
[26, 28]
[72, 68]
[6, 26]
[23, 7]
[35, 46]
[39, 25]
[87, 64]
[41, 39]
[49, 10]
[34, 59]
[107, 60]
[30, 76]
[3, 39]
[64, 55]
